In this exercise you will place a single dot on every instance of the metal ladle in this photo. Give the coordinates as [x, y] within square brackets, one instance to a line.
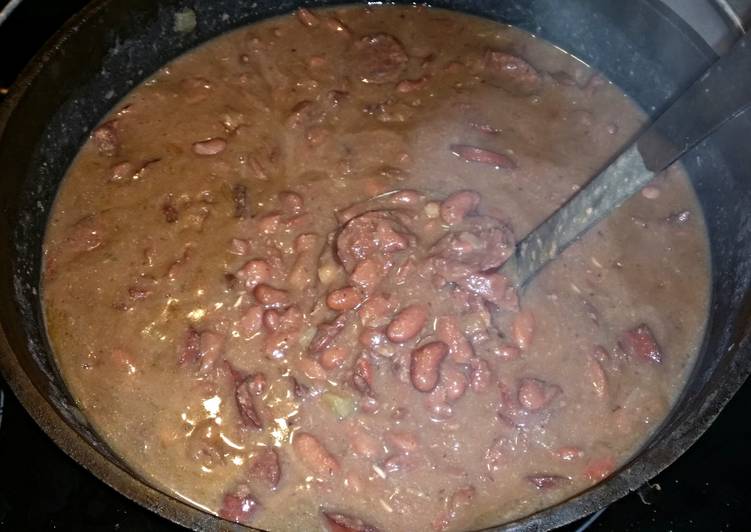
[720, 94]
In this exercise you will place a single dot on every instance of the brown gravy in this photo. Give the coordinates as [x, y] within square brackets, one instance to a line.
[269, 276]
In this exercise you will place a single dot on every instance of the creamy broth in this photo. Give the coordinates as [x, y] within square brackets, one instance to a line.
[270, 276]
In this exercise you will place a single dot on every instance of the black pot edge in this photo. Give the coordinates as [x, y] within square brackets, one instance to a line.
[625, 480]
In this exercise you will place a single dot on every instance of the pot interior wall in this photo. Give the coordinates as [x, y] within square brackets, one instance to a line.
[115, 44]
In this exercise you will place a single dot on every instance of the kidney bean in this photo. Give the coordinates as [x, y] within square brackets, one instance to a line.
[190, 349]
[458, 205]
[405, 442]
[312, 369]
[568, 454]
[239, 507]
[507, 352]
[306, 242]
[337, 26]
[372, 338]
[511, 71]
[212, 347]
[522, 329]
[256, 383]
[460, 499]
[212, 146]
[536, 394]
[271, 297]
[106, 139]
[363, 375]
[244, 397]
[545, 481]
[327, 332]
[291, 202]
[265, 468]
[367, 274]
[481, 375]
[408, 323]
[254, 272]
[314, 455]
[306, 17]
[483, 156]
[375, 311]
[599, 468]
[346, 298]
[271, 319]
[596, 375]
[425, 365]
[365, 445]
[333, 357]
[454, 381]
[378, 58]
[640, 343]
[337, 522]
[251, 321]
[406, 86]
[450, 333]
[270, 223]
[400, 462]
[499, 453]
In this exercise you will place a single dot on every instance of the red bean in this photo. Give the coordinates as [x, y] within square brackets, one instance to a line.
[244, 397]
[405, 442]
[363, 374]
[343, 299]
[481, 375]
[596, 375]
[311, 369]
[257, 383]
[379, 58]
[265, 468]
[212, 347]
[367, 274]
[483, 156]
[239, 508]
[190, 349]
[365, 445]
[568, 454]
[458, 205]
[640, 343]
[522, 329]
[314, 455]
[507, 352]
[407, 324]
[333, 357]
[375, 311]
[271, 319]
[251, 321]
[599, 468]
[411, 85]
[106, 139]
[512, 72]
[425, 365]
[306, 17]
[306, 242]
[536, 394]
[454, 381]
[254, 272]
[449, 332]
[210, 146]
[337, 522]
[338, 27]
[271, 297]
[291, 202]
[544, 481]
[372, 338]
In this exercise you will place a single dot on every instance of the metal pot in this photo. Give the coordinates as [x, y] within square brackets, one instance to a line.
[113, 44]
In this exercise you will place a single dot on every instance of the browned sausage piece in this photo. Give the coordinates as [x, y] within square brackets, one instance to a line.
[475, 154]
[345, 298]
[378, 58]
[425, 364]
[639, 342]
[450, 333]
[264, 467]
[344, 523]
[314, 455]
[407, 324]
[458, 205]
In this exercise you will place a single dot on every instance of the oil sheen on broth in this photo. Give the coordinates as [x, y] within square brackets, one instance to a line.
[269, 276]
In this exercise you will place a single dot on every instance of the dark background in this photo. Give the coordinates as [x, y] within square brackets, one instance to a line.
[708, 488]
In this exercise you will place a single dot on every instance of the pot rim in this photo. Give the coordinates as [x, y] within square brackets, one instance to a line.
[644, 465]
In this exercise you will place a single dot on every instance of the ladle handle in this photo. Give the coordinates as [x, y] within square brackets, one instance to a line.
[720, 94]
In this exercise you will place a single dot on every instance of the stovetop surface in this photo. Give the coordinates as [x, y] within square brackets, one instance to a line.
[41, 488]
